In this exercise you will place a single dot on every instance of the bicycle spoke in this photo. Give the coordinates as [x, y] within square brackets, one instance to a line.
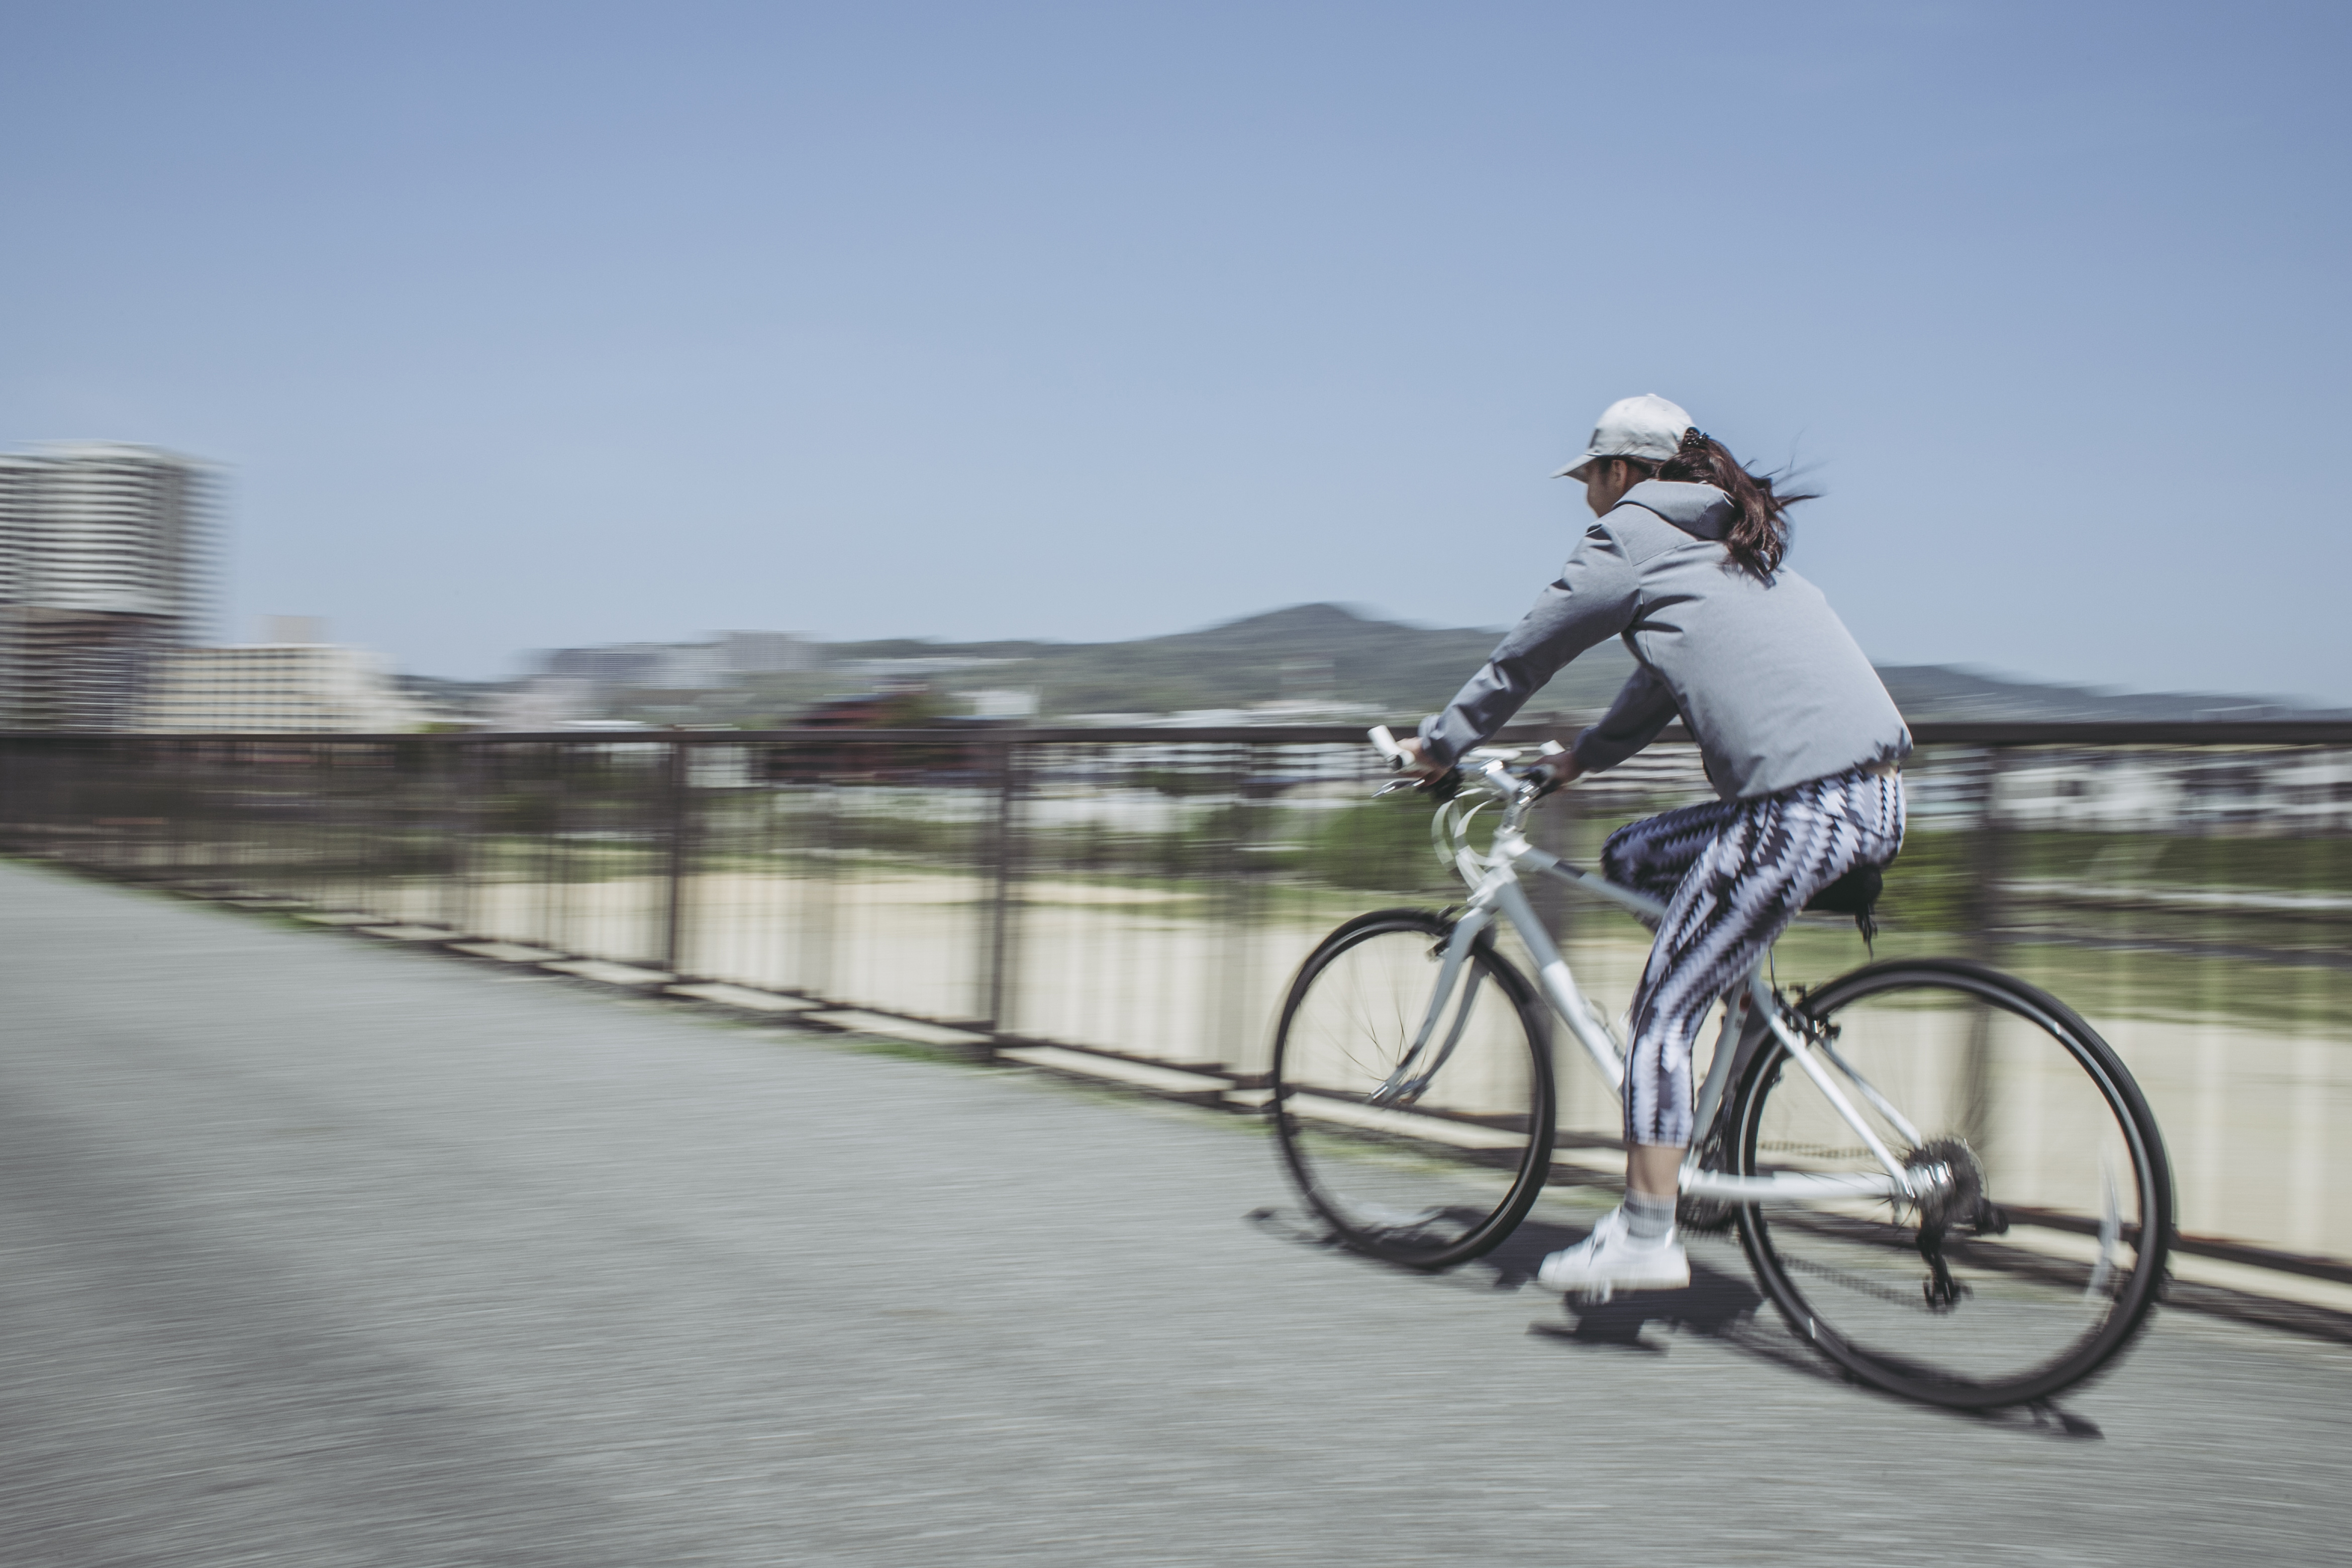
[2110, 1229]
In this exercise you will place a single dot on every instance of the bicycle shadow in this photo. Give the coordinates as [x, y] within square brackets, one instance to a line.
[1723, 1307]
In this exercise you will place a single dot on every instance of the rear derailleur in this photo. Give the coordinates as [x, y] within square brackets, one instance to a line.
[1948, 1182]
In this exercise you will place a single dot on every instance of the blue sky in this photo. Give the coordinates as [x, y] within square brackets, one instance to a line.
[518, 324]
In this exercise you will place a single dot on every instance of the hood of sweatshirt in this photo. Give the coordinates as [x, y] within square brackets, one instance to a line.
[1701, 511]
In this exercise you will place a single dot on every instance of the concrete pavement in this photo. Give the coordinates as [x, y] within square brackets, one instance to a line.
[322, 1253]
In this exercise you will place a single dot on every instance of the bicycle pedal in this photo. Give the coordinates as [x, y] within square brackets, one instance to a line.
[1596, 1296]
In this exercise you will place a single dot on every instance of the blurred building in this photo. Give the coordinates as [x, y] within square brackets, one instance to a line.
[2268, 791]
[545, 702]
[1004, 704]
[683, 667]
[768, 653]
[447, 704]
[649, 682]
[102, 559]
[276, 687]
[907, 705]
[669, 667]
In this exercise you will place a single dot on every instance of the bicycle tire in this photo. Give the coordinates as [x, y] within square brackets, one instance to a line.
[1447, 1179]
[2046, 1269]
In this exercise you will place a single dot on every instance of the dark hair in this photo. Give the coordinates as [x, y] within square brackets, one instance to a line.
[1759, 538]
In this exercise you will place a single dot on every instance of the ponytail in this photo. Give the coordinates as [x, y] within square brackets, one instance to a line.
[1759, 536]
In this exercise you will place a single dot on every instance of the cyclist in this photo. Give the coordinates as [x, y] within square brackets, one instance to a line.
[1799, 739]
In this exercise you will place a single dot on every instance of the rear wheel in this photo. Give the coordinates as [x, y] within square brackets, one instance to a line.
[2044, 1247]
[1442, 1175]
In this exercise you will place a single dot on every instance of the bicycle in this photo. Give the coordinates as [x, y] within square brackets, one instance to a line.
[1972, 1206]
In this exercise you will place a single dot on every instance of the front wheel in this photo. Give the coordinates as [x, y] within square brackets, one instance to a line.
[1440, 1174]
[2042, 1246]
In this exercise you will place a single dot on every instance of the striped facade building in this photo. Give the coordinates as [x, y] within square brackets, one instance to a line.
[104, 566]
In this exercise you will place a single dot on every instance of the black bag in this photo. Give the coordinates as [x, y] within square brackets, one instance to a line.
[1856, 894]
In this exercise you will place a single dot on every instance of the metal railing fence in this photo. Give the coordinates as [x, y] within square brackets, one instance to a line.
[1148, 892]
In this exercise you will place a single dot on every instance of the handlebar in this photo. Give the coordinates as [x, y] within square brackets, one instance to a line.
[1488, 766]
[1489, 769]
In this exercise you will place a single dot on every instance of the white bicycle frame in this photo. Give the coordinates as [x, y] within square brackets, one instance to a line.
[1495, 891]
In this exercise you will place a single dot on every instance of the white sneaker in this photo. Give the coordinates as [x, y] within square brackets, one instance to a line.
[1610, 1260]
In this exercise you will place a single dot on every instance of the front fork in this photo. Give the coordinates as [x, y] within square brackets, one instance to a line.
[1419, 1063]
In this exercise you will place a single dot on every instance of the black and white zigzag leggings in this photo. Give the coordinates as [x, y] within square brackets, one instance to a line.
[1734, 873]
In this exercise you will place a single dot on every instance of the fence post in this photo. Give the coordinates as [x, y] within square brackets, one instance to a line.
[996, 953]
[1251, 791]
[462, 793]
[1988, 864]
[678, 828]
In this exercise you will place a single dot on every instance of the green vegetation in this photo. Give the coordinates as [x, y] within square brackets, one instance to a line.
[2155, 860]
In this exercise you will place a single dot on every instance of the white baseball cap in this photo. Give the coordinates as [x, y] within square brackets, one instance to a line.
[1648, 427]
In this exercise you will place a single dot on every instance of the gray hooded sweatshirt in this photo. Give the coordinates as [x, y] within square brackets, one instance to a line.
[1770, 682]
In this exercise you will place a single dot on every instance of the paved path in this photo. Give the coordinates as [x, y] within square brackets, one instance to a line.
[319, 1253]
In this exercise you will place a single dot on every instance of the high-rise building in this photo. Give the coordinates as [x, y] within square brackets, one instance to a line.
[17, 500]
[102, 567]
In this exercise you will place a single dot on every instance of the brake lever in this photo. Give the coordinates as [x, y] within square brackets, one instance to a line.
[1446, 786]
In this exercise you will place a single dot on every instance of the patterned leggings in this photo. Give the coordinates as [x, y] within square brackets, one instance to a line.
[1734, 873]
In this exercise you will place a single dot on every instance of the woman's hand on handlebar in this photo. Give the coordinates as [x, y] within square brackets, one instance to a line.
[1415, 763]
[1555, 773]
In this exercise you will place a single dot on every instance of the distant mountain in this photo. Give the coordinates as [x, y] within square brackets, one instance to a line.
[1332, 653]
[1307, 653]
[1931, 691]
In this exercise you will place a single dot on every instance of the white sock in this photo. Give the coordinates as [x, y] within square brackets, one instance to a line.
[1649, 1222]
